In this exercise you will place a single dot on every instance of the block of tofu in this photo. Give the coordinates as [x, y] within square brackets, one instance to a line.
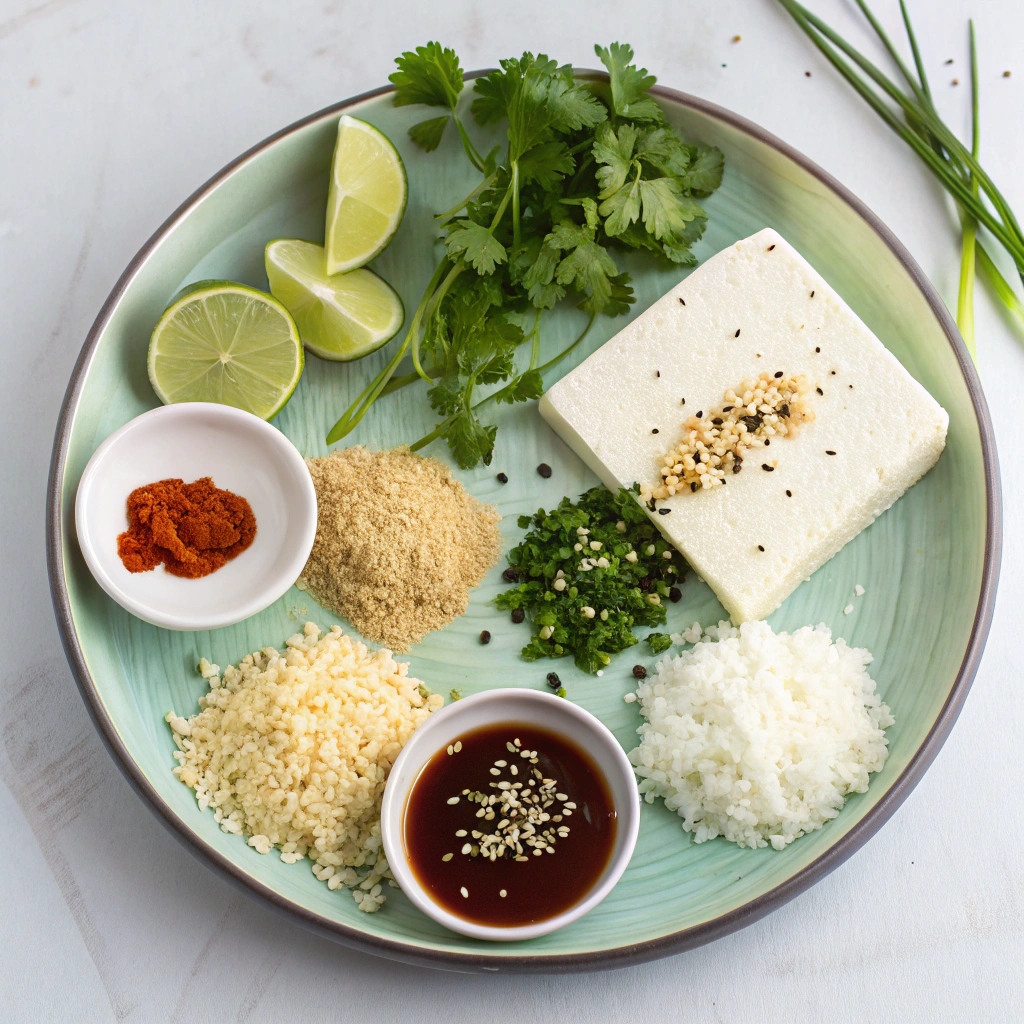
[755, 306]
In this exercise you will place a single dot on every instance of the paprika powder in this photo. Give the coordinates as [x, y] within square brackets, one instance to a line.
[193, 529]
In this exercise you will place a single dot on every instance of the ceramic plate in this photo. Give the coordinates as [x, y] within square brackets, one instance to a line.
[928, 565]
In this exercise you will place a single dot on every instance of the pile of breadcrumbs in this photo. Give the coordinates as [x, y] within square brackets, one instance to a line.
[399, 543]
[293, 749]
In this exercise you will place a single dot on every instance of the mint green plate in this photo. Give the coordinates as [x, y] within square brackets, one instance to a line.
[929, 565]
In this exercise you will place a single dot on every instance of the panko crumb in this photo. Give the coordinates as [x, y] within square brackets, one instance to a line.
[292, 749]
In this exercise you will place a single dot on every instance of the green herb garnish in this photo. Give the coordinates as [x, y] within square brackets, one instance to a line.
[586, 602]
[589, 166]
[911, 113]
[659, 642]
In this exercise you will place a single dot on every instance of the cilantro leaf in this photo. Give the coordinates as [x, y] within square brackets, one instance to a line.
[525, 387]
[664, 150]
[665, 210]
[431, 74]
[587, 267]
[546, 164]
[705, 173]
[427, 134]
[613, 152]
[477, 244]
[619, 299]
[445, 397]
[659, 642]
[621, 208]
[470, 441]
[629, 84]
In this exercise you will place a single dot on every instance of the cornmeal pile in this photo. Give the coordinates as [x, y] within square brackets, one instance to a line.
[399, 543]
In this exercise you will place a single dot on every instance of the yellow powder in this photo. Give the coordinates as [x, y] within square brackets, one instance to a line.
[399, 543]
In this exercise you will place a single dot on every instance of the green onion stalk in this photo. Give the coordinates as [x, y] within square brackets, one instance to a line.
[910, 112]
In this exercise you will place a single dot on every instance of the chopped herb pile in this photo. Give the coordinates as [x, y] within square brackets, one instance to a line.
[589, 167]
[589, 571]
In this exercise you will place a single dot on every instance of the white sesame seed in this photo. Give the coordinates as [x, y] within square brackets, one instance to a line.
[465, 892]
[503, 893]
[461, 832]
[447, 857]
[453, 800]
[451, 750]
[848, 609]
[467, 847]
[457, 746]
[500, 764]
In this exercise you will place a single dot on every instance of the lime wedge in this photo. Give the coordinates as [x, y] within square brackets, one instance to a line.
[367, 195]
[340, 316]
[227, 343]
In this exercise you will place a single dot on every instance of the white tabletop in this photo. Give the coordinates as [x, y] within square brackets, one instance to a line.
[111, 112]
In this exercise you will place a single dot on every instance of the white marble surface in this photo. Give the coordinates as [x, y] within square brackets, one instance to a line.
[111, 112]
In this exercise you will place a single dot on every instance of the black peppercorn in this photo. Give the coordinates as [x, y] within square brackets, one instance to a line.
[674, 594]
[639, 672]
[485, 637]
[544, 469]
[553, 681]
[518, 615]
[510, 575]
[502, 479]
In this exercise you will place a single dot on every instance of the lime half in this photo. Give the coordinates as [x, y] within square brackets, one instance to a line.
[367, 195]
[227, 343]
[340, 316]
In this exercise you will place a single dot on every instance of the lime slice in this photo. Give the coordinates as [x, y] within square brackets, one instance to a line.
[343, 316]
[367, 196]
[227, 343]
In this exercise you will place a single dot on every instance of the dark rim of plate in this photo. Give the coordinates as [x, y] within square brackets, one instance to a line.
[603, 959]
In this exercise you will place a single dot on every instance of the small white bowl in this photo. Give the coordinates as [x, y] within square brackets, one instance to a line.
[242, 454]
[536, 708]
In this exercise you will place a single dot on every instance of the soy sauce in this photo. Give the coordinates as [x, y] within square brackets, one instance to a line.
[538, 886]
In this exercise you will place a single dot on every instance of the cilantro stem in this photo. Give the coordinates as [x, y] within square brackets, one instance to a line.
[397, 383]
[535, 340]
[467, 144]
[515, 203]
[432, 302]
[484, 184]
[358, 409]
[565, 351]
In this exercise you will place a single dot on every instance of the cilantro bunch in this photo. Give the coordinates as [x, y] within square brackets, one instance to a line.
[592, 613]
[589, 167]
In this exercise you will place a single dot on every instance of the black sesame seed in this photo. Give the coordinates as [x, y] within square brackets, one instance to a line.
[502, 479]
[737, 466]
[639, 672]
[817, 348]
[820, 392]
[682, 302]
[812, 295]
[760, 547]
[674, 594]
[726, 408]
[553, 681]
[828, 451]
[693, 485]
[700, 413]
[544, 469]
[650, 504]
[767, 468]
[807, 74]
[789, 494]
[832, 372]
[510, 575]
[664, 511]
[784, 410]
[770, 247]
[485, 637]
[718, 421]
[950, 61]
[683, 402]
[850, 386]
[778, 374]
[518, 615]
[655, 430]
[737, 334]
[766, 442]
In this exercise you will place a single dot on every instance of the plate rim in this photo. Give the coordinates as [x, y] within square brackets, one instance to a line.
[614, 957]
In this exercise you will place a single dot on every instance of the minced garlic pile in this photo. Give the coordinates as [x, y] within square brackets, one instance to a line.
[399, 543]
[714, 442]
[293, 749]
